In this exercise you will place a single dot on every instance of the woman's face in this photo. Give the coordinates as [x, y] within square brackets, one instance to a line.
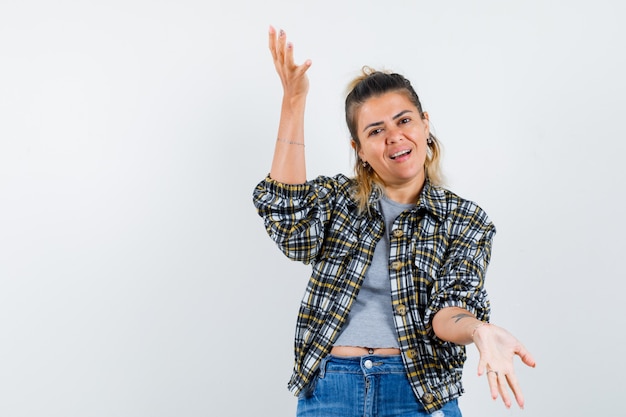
[393, 139]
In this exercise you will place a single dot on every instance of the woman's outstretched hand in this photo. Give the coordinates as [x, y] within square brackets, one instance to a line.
[293, 77]
[498, 348]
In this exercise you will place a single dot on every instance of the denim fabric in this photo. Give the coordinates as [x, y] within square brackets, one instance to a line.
[366, 386]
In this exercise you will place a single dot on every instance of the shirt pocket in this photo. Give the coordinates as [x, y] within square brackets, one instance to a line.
[426, 262]
[340, 239]
[425, 269]
[338, 250]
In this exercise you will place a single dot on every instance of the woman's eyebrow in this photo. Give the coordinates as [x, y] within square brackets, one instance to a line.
[402, 113]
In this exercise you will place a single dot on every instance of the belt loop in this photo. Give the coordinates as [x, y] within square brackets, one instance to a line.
[323, 365]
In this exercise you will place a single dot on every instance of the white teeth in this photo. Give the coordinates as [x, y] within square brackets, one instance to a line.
[397, 154]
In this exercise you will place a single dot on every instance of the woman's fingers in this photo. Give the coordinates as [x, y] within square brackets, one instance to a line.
[526, 357]
[500, 383]
[503, 389]
[517, 391]
[277, 46]
[282, 39]
[289, 54]
[492, 379]
[272, 41]
[282, 52]
[293, 77]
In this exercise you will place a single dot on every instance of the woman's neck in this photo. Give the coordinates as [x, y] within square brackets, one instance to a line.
[404, 194]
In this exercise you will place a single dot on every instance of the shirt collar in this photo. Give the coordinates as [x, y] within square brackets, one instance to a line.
[433, 200]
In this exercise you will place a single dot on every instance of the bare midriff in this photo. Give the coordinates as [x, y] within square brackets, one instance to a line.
[362, 351]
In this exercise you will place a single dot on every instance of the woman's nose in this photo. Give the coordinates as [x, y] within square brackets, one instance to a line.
[394, 134]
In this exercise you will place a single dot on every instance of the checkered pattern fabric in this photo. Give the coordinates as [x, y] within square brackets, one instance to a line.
[439, 252]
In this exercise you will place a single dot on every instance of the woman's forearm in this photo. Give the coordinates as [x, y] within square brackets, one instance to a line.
[288, 163]
[456, 325]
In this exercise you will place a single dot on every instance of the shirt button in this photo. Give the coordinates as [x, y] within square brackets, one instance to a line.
[397, 233]
[401, 309]
[368, 364]
[428, 398]
[411, 353]
[396, 265]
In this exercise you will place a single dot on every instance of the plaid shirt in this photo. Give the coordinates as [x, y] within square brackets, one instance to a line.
[439, 252]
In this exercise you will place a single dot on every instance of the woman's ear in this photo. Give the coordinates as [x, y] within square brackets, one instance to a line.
[426, 120]
[354, 146]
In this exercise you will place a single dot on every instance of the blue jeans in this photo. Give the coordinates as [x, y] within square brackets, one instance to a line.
[366, 386]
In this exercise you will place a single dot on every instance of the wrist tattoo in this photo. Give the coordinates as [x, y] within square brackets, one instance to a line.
[461, 316]
[290, 142]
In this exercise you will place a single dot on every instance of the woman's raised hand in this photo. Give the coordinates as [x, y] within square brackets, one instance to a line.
[293, 77]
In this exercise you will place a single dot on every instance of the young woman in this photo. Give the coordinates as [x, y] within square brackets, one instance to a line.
[398, 262]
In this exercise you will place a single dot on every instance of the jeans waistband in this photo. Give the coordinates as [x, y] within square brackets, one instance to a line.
[366, 365]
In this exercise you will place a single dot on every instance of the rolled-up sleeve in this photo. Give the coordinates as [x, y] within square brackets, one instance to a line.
[294, 214]
[460, 282]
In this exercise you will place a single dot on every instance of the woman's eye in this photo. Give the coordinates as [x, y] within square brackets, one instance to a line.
[375, 132]
[405, 120]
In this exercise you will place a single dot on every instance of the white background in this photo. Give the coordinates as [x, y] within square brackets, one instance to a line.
[136, 278]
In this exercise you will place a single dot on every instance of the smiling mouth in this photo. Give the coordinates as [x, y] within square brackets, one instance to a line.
[400, 153]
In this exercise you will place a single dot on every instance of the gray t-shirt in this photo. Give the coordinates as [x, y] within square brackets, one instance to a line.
[370, 322]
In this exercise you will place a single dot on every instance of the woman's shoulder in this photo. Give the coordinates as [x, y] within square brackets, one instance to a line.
[338, 184]
[338, 181]
[456, 204]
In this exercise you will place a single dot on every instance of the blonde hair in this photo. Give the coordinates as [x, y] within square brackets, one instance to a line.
[372, 83]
